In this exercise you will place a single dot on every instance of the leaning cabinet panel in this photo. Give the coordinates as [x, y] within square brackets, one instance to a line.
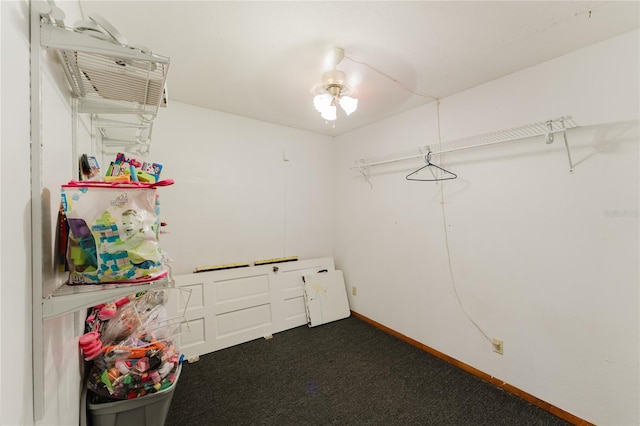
[234, 306]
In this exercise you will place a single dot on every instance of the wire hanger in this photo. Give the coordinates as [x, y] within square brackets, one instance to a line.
[448, 175]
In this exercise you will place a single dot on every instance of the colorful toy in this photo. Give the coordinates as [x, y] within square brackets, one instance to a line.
[91, 345]
[121, 352]
[122, 159]
[107, 312]
[145, 177]
[82, 240]
[154, 169]
[119, 178]
[107, 229]
[134, 170]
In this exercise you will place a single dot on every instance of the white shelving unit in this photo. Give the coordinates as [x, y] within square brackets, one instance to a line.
[121, 89]
[69, 299]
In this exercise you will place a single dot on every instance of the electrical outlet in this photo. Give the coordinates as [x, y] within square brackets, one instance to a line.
[354, 291]
[498, 346]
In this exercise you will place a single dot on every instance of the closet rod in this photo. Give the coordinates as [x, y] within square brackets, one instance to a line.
[544, 128]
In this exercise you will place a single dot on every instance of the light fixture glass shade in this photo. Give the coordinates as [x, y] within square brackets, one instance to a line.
[325, 104]
[329, 113]
[348, 104]
[320, 102]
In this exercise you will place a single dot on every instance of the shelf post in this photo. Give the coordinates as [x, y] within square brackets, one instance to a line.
[566, 144]
[37, 354]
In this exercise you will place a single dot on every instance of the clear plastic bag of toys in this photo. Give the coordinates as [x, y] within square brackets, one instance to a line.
[134, 368]
[139, 346]
[112, 232]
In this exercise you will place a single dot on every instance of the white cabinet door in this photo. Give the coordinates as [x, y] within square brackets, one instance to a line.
[198, 339]
[288, 291]
[234, 306]
[325, 297]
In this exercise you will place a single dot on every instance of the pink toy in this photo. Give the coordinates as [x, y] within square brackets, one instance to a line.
[122, 301]
[88, 338]
[107, 312]
[90, 344]
[142, 364]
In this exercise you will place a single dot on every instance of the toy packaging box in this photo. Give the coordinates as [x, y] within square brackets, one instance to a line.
[112, 232]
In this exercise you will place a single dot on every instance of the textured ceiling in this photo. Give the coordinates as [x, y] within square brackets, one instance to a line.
[261, 59]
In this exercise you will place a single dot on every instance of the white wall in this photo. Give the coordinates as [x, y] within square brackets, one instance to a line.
[15, 225]
[545, 260]
[235, 199]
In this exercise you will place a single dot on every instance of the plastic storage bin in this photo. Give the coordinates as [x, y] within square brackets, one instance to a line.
[148, 410]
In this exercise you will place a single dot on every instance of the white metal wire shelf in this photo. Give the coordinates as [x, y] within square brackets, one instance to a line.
[107, 77]
[548, 129]
[124, 131]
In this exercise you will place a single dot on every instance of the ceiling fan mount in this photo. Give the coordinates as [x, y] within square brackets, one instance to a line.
[333, 82]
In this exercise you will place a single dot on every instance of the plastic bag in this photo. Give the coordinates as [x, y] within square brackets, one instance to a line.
[139, 354]
[112, 232]
[145, 315]
[134, 368]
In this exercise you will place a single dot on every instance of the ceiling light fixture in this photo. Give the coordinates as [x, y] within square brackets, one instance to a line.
[333, 91]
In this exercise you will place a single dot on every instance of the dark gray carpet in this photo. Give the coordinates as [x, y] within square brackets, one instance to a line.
[342, 373]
